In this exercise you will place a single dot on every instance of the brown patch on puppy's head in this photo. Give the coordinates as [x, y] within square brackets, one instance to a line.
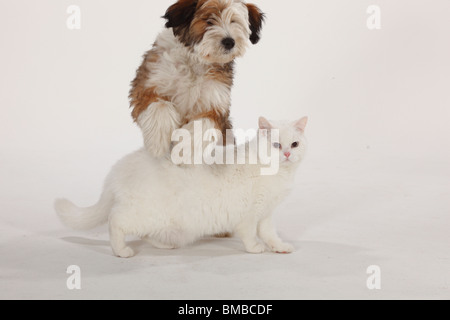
[179, 16]
[190, 19]
[207, 10]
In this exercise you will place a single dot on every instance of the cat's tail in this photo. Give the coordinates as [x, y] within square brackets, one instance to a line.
[84, 218]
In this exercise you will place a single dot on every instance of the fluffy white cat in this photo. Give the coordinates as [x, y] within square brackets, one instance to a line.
[173, 206]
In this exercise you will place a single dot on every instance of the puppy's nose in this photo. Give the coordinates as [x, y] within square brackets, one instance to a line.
[228, 43]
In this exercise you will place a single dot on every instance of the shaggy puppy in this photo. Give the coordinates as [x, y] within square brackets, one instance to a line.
[188, 74]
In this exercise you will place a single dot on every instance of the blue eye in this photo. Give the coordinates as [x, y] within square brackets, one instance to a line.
[276, 145]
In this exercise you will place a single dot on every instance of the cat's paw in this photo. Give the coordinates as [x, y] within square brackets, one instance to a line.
[126, 252]
[162, 246]
[256, 248]
[283, 248]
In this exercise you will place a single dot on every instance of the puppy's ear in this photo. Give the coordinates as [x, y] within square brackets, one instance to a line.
[256, 18]
[180, 14]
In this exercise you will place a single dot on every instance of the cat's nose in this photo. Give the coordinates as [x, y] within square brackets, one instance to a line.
[287, 154]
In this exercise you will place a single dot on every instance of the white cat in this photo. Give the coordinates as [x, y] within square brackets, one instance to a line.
[173, 206]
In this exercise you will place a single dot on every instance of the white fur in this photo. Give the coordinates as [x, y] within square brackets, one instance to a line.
[158, 123]
[173, 206]
[180, 74]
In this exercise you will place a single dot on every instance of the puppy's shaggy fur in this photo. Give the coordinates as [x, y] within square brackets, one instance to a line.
[188, 74]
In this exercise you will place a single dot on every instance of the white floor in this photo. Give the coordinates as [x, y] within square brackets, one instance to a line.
[342, 219]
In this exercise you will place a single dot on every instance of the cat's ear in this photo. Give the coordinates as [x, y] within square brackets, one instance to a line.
[264, 124]
[300, 125]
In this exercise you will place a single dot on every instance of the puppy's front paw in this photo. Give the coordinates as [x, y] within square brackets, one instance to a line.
[126, 252]
[283, 248]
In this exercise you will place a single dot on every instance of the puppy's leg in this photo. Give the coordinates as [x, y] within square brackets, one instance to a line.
[203, 133]
[158, 123]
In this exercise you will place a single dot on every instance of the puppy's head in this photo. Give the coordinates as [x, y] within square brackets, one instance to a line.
[218, 31]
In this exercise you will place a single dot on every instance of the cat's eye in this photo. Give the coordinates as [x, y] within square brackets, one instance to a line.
[276, 145]
[295, 144]
[210, 23]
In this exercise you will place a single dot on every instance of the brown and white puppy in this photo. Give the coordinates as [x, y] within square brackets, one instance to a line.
[188, 74]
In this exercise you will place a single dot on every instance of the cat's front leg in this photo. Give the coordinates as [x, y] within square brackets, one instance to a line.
[247, 232]
[267, 233]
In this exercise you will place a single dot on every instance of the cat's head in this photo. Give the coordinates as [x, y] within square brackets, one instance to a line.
[291, 143]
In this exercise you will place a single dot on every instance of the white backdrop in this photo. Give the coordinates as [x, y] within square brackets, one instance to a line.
[373, 191]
